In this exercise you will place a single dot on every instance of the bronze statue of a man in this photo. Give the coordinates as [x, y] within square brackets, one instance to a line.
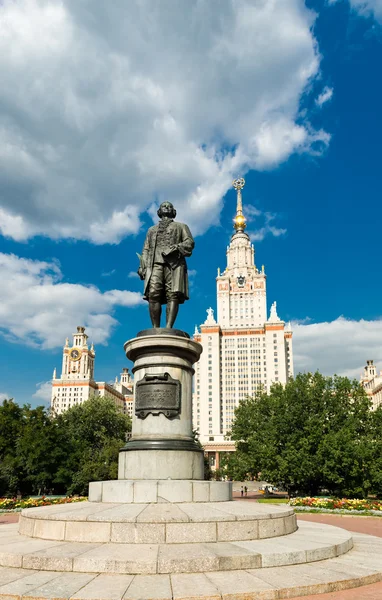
[163, 266]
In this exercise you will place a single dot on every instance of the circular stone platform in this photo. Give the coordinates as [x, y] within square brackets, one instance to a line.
[314, 559]
[161, 523]
[311, 542]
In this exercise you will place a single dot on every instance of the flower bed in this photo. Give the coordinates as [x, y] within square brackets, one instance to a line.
[15, 504]
[337, 504]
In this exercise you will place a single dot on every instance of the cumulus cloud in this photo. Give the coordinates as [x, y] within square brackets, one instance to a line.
[268, 228]
[107, 108]
[366, 8]
[38, 308]
[325, 96]
[341, 346]
[43, 391]
[3, 396]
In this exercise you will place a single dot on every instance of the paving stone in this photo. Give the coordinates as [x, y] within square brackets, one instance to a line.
[26, 584]
[149, 587]
[201, 513]
[193, 586]
[138, 533]
[58, 558]
[62, 587]
[107, 587]
[119, 558]
[232, 557]
[180, 533]
[7, 527]
[284, 578]
[85, 511]
[242, 585]
[87, 532]
[13, 553]
[186, 558]
[162, 513]
[122, 513]
[8, 574]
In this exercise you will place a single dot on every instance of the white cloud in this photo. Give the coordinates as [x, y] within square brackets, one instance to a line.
[341, 346]
[108, 107]
[43, 391]
[4, 397]
[366, 8]
[267, 229]
[325, 96]
[39, 309]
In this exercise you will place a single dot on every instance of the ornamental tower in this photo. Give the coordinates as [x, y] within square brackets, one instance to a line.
[244, 350]
[78, 360]
[77, 384]
[241, 288]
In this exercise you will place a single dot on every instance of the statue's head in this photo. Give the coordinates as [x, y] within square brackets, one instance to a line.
[166, 209]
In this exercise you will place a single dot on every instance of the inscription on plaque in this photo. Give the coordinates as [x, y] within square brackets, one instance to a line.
[157, 394]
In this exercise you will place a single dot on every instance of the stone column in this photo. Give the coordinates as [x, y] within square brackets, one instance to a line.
[162, 445]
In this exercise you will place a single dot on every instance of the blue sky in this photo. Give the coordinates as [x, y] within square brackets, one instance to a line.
[104, 114]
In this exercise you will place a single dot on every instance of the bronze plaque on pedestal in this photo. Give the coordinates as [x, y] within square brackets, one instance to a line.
[157, 394]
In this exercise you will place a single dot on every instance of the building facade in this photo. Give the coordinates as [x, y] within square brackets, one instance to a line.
[77, 383]
[243, 349]
[372, 383]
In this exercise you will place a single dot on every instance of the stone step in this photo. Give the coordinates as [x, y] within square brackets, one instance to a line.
[311, 542]
[142, 492]
[158, 523]
[360, 566]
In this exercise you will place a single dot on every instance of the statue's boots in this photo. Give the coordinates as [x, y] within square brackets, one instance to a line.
[171, 313]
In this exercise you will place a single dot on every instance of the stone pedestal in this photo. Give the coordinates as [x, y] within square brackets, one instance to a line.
[162, 445]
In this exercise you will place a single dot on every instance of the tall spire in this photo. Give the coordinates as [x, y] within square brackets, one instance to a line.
[239, 221]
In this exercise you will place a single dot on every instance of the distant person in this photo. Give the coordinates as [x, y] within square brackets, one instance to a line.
[242, 491]
[245, 490]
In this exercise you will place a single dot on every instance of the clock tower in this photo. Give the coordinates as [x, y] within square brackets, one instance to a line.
[78, 360]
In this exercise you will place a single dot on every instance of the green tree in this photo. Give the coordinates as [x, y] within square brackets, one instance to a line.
[376, 445]
[313, 433]
[92, 434]
[38, 452]
[10, 432]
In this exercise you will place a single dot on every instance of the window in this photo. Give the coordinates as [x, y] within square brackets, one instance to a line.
[211, 439]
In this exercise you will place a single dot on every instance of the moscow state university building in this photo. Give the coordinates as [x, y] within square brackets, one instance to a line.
[243, 349]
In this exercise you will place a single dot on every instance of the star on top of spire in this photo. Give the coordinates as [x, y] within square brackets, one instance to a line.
[239, 221]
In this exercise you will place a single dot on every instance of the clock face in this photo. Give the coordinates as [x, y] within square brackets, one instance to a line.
[75, 354]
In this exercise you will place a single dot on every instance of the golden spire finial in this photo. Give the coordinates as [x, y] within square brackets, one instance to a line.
[239, 221]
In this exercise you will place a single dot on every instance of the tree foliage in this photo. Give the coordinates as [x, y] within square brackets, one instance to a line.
[41, 453]
[313, 433]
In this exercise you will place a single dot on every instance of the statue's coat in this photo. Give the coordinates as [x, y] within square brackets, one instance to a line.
[177, 234]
